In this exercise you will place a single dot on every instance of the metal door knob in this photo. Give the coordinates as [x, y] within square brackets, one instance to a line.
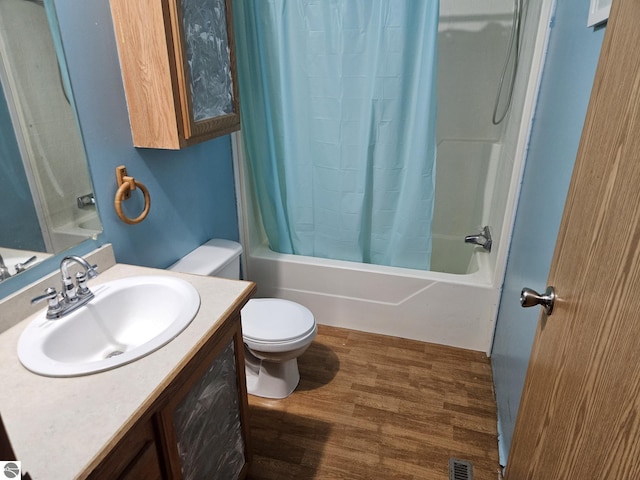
[531, 298]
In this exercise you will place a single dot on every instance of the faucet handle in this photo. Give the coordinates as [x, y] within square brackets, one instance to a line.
[81, 282]
[51, 295]
[483, 239]
[93, 271]
[68, 289]
[21, 267]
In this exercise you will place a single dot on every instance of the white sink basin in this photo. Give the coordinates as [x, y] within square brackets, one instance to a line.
[127, 319]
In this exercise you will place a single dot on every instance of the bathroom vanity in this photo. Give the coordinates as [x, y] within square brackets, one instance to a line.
[179, 412]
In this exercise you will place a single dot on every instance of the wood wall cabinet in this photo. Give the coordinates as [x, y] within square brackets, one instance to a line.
[197, 428]
[179, 70]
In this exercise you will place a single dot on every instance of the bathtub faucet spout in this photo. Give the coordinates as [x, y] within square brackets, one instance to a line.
[482, 239]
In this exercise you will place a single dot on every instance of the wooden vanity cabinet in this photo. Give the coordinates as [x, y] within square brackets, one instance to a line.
[204, 420]
[178, 68]
[197, 428]
[136, 456]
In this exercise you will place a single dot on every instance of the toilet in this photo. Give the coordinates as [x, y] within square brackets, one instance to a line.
[275, 331]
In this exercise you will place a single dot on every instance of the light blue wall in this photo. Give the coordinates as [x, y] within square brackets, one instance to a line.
[564, 94]
[192, 190]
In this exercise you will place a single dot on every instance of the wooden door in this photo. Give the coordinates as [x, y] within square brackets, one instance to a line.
[580, 411]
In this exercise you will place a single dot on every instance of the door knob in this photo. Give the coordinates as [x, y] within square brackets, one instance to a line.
[531, 298]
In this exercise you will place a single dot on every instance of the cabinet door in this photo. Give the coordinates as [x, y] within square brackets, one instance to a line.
[204, 47]
[135, 457]
[178, 68]
[205, 422]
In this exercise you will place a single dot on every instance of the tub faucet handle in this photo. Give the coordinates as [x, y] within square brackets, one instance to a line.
[482, 239]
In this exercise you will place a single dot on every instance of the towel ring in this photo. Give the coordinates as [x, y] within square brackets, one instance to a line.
[124, 190]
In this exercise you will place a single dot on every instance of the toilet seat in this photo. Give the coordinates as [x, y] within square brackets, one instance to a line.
[275, 325]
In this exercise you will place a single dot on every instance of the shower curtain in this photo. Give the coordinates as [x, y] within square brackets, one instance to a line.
[339, 125]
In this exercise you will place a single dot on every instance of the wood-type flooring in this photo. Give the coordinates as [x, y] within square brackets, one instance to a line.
[378, 407]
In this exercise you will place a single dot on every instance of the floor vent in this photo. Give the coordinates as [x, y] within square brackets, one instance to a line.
[460, 469]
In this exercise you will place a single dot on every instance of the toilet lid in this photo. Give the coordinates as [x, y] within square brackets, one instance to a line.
[275, 320]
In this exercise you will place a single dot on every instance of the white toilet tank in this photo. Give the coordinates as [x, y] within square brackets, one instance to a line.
[216, 258]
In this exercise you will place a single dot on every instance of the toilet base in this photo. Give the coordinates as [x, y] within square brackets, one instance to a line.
[271, 379]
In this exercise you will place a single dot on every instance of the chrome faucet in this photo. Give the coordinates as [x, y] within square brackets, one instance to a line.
[73, 295]
[20, 267]
[86, 200]
[482, 239]
[4, 271]
[68, 291]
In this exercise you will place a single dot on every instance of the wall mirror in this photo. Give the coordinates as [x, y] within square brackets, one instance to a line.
[46, 196]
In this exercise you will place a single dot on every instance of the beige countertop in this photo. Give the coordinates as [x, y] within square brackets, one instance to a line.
[59, 426]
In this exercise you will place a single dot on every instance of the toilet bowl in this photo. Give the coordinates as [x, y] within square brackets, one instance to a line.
[275, 331]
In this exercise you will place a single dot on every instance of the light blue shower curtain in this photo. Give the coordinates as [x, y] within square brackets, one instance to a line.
[339, 124]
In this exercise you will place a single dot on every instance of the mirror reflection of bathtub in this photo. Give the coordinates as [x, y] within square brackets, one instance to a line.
[41, 152]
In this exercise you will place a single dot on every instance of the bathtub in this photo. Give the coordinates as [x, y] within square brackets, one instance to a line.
[453, 304]
[448, 309]
[479, 167]
[456, 308]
